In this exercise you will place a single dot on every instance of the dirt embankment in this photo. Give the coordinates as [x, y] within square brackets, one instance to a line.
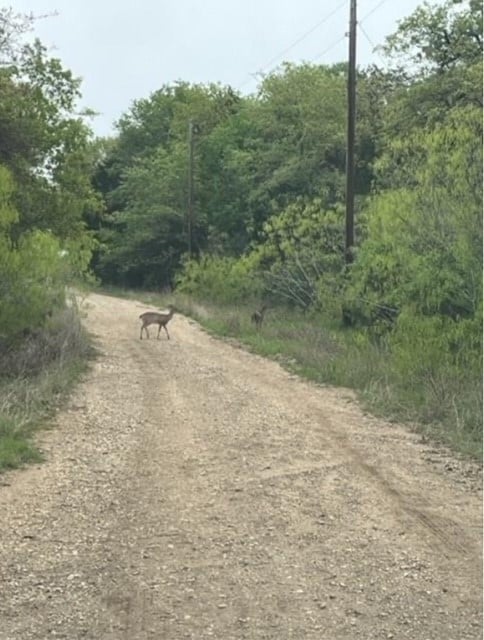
[193, 490]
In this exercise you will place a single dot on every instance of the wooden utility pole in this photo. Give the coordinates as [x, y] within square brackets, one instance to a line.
[190, 188]
[350, 152]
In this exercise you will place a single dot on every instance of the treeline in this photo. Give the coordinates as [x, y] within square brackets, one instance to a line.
[269, 176]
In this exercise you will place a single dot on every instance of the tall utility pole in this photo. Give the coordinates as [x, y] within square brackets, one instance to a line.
[190, 188]
[350, 149]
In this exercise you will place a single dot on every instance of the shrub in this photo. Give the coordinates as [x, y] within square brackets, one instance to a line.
[436, 366]
[219, 279]
[32, 281]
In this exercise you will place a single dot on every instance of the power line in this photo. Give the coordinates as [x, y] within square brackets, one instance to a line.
[249, 79]
[319, 55]
[301, 38]
[363, 31]
[297, 41]
[373, 45]
[331, 46]
[359, 24]
[381, 3]
[307, 33]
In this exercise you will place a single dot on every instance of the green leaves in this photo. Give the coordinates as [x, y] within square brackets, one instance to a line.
[8, 215]
[32, 280]
[46, 159]
[440, 37]
[439, 50]
[424, 235]
[220, 279]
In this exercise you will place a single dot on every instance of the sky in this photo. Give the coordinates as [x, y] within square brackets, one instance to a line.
[125, 49]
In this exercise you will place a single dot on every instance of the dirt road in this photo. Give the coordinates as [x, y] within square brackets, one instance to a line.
[193, 490]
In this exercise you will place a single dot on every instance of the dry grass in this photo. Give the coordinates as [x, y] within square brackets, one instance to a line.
[37, 372]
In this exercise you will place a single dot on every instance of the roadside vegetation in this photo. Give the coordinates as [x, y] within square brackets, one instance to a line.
[45, 244]
[38, 375]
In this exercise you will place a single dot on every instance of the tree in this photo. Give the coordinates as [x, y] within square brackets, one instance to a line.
[144, 241]
[301, 253]
[439, 38]
[45, 192]
[33, 271]
[441, 47]
[423, 240]
[299, 122]
[144, 178]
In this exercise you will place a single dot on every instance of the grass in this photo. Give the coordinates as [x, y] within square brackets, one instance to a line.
[15, 447]
[37, 374]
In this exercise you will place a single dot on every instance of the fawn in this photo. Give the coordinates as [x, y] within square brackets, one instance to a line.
[258, 316]
[156, 317]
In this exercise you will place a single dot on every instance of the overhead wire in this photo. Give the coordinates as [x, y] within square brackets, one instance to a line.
[328, 49]
[365, 33]
[314, 28]
[359, 24]
[295, 43]
[305, 35]
[375, 8]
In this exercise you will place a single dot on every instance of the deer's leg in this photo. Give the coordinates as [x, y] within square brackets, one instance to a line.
[167, 334]
[159, 329]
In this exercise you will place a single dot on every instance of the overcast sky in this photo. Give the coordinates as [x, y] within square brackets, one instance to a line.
[125, 49]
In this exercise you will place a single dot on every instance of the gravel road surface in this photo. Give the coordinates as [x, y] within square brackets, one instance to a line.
[194, 490]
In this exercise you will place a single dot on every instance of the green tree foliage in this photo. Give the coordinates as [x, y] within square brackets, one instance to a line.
[221, 279]
[46, 161]
[439, 37]
[423, 231]
[301, 254]
[441, 48]
[300, 120]
[146, 239]
[224, 182]
[144, 178]
[252, 158]
[47, 149]
[418, 274]
[32, 271]
[424, 234]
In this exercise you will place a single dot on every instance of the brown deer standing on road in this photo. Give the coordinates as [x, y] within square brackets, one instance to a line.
[258, 316]
[155, 317]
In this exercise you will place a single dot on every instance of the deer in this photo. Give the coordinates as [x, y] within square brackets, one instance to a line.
[156, 317]
[258, 316]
